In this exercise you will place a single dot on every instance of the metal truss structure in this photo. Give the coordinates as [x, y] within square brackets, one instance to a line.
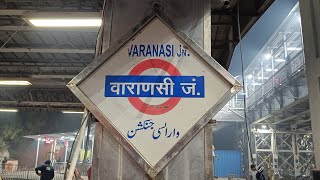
[275, 80]
[288, 153]
[277, 104]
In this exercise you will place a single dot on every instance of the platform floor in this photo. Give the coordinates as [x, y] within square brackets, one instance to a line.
[30, 175]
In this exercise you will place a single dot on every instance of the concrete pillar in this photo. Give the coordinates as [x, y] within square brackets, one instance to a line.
[310, 13]
[109, 158]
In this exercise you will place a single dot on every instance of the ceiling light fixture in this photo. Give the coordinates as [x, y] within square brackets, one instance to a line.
[8, 110]
[14, 83]
[294, 48]
[263, 131]
[269, 70]
[94, 22]
[280, 60]
[256, 84]
[73, 112]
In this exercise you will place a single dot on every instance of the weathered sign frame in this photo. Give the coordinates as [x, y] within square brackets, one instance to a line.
[153, 171]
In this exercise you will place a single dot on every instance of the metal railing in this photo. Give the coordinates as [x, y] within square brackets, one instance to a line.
[236, 103]
[278, 79]
[12, 172]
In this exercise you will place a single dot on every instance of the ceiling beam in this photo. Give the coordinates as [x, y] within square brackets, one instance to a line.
[264, 6]
[218, 12]
[37, 103]
[38, 29]
[42, 68]
[45, 61]
[42, 94]
[32, 13]
[46, 50]
[53, 76]
[14, 12]
[57, 81]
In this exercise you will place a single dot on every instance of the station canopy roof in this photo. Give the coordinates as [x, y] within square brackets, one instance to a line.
[50, 57]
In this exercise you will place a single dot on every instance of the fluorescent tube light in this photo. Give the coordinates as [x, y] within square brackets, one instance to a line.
[280, 60]
[14, 83]
[66, 22]
[269, 70]
[8, 110]
[294, 48]
[263, 131]
[73, 112]
[256, 84]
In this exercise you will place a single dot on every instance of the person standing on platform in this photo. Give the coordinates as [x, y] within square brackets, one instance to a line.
[46, 171]
[258, 172]
[3, 164]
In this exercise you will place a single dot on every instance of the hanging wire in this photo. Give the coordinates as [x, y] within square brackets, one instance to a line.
[243, 84]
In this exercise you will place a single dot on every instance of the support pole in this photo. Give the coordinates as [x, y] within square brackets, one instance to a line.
[37, 155]
[78, 145]
[66, 155]
[53, 152]
[66, 152]
[83, 143]
[92, 145]
[295, 155]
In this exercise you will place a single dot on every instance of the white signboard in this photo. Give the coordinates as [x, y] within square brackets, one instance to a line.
[154, 90]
